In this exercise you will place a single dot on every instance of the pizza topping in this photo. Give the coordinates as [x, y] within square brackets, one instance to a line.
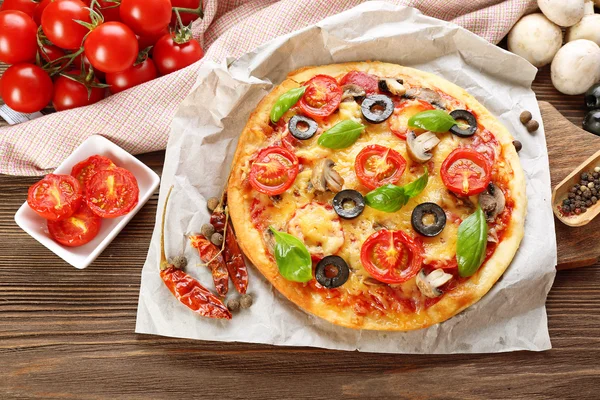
[419, 147]
[428, 219]
[377, 165]
[466, 172]
[274, 170]
[292, 257]
[429, 284]
[332, 272]
[492, 202]
[341, 135]
[403, 112]
[471, 243]
[322, 96]
[460, 129]
[324, 177]
[391, 256]
[430, 96]
[377, 108]
[432, 120]
[348, 204]
[352, 92]
[365, 81]
[285, 102]
[319, 228]
[302, 127]
[391, 198]
[393, 86]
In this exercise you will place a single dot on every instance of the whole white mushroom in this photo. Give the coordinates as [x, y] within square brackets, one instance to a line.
[562, 12]
[536, 39]
[576, 66]
[589, 26]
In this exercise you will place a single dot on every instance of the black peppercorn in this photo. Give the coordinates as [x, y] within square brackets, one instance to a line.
[584, 176]
[572, 196]
[596, 175]
[573, 189]
[587, 194]
[578, 197]
[578, 192]
[583, 209]
[594, 200]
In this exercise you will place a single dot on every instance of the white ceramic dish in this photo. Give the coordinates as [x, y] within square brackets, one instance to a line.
[82, 256]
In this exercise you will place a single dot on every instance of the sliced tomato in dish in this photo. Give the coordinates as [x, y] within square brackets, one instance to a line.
[322, 96]
[377, 165]
[55, 197]
[391, 256]
[274, 170]
[466, 172]
[111, 193]
[85, 169]
[78, 229]
[362, 79]
[399, 120]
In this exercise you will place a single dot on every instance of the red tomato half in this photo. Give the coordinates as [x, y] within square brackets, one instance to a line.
[186, 18]
[138, 74]
[322, 96]
[146, 17]
[18, 41]
[76, 230]
[466, 172]
[170, 56]
[362, 79]
[26, 88]
[391, 256]
[112, 192]
[70, 94]
[55, 197]
[399, 120]
[58, 23]
[26, 6]
[274, 170]
[377, 165]
[85, 169]
[111, 47]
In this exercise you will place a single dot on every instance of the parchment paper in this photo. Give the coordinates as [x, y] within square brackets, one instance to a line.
[512, 316]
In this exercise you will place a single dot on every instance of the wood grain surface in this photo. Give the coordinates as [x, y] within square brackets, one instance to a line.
[69, 334]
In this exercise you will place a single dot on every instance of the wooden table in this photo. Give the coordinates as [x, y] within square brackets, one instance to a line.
[66, 333]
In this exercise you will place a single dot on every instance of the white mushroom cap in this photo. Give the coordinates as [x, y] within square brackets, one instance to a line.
[562, 12]
[576, 67]
[589, 26]
[536, 39]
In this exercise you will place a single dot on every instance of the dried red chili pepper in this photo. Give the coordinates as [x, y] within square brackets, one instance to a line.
[234, 261]
[218, 219]
[185, 288]
[209, 253]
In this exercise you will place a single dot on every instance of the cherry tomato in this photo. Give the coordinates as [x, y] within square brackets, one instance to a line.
[274, 170]
[466, 172]
[399, 120]
[322, 96]
[70, 94]
[110, 11]
[138, 74]
[186, 18]
[362, 79]
[146, 17]
[18, 41]
[170, 56]
[111, 193]
[391, 256]
[78, 229]
[377, 165]
[39, 10]
[150, 40]
[26, 88]
[58, 23]
[50, 53]
[111, 47]
[84, 170]
[55, 197]
[26, 6]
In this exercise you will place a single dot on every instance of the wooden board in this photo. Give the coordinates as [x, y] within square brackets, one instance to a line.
[568, 147]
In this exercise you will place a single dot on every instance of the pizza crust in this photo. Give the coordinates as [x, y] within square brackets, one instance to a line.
[466, 294]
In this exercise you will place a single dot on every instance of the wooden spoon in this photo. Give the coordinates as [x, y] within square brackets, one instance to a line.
[561, 192]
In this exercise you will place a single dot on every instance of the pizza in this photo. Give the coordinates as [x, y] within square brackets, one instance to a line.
[376, 196]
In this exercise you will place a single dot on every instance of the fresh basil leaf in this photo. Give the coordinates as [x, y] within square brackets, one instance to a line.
[471, 244]
[292, 257]
[432, 120]
[285, 102]
[341, 135]
[390, 198]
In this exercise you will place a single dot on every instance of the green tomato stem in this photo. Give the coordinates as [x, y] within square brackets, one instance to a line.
[198, 11]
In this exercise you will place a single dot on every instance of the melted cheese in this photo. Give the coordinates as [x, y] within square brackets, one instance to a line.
[319, 227]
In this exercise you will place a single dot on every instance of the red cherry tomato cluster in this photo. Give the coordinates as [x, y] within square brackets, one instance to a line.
[75, 204]
[68, 52]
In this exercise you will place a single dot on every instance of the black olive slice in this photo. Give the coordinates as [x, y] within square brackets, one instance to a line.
[591, 122]
[377, 108]
[465, 116]
[332, 272]
[592, 97]
[302, 127]
[425, 229]
[348, 204]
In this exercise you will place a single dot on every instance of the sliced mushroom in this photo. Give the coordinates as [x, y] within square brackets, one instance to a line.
[394, 86]
[429, 284]
[352, 92]
[492, 201]
[269, 240]
[492, 235]
[324, 177]
[427, 95]
[419, 147]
